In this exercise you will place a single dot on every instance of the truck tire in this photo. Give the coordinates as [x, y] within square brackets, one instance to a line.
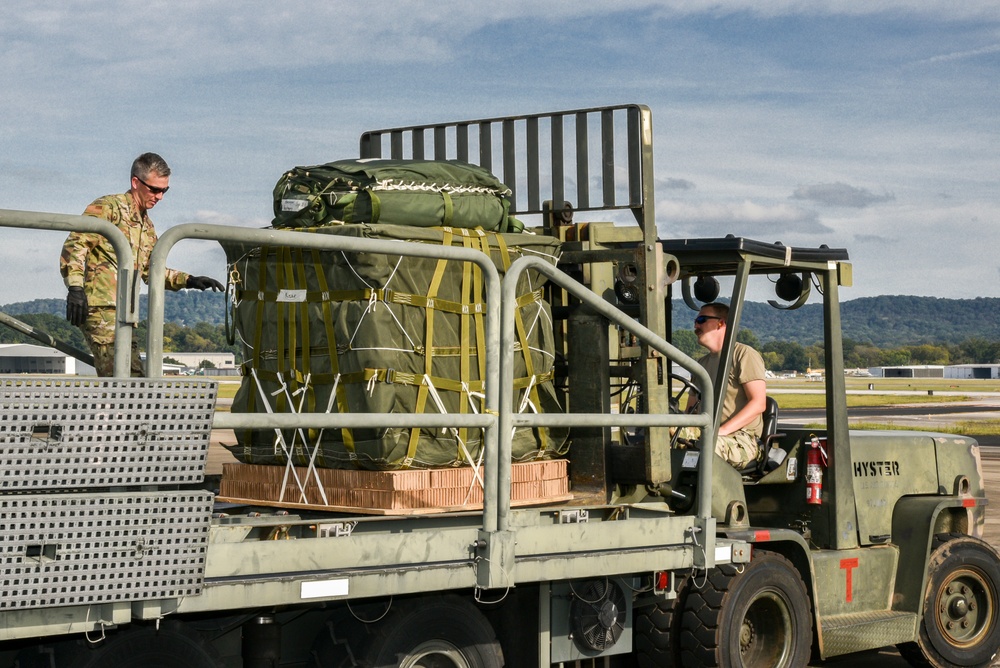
[756, 615]
[173, 644]
[961, 610]
[657, 630]
[442, 631]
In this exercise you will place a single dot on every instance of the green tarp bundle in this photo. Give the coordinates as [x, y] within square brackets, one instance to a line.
[330, 331]
[415, 193]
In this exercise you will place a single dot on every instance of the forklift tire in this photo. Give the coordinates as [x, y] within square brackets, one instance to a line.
[173, 644]
[442, 631]
[755, 615]
[657, 630]
[961, 618]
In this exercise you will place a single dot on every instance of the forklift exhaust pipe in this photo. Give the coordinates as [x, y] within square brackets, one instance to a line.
[45, 338]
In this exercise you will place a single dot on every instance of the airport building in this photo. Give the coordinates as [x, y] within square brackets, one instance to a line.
[28, 358]
[912, 371]
[973, 371]
[31, 359]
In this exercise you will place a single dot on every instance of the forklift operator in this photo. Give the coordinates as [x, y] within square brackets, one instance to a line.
[746, 390]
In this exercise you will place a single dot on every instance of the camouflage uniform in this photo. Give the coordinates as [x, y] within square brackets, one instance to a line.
[88, 261]
[740, 447]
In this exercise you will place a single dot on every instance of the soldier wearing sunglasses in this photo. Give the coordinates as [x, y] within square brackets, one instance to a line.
[746, 389]
[90, 270]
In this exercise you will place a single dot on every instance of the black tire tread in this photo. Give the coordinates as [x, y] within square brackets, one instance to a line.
[702, 637]
[657, 630]
[451, 617]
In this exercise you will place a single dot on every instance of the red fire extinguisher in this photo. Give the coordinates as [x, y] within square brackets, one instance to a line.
[815, 462]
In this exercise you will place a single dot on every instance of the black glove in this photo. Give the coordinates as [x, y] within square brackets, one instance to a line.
[204, 283]
[76, 306]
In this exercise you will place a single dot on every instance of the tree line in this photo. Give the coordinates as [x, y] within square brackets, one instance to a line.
[878, 331]
[793, 356]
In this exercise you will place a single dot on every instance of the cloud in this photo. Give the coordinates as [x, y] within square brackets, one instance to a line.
[840, 194]
[961, 55]
[871, 239]
[209, 217]
[677, 184]
[719, 219]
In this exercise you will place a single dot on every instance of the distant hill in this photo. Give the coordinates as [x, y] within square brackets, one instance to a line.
[888, 321]
[885, 322]
[187, 307]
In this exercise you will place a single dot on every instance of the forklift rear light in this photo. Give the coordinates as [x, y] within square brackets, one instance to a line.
[663, 582]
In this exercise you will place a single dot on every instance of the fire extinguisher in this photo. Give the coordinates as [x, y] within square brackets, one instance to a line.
[815, 462]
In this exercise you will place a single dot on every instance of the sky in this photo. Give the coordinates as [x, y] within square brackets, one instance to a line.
[870, 126]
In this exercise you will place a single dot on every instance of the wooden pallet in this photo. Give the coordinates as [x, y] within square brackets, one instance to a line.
[409, 492]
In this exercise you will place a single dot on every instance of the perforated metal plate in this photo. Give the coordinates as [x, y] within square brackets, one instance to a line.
[58, 433]
[62, 549]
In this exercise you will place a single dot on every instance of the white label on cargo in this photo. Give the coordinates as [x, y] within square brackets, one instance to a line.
[324, 589]
[291, 295]
[293, 205]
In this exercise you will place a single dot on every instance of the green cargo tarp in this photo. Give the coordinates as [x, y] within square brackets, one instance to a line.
[415, 193]
[330, 331]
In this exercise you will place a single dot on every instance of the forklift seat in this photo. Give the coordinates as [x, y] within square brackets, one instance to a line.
[768, 434]
[769, 431]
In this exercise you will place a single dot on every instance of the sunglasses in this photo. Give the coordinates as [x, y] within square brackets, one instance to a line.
[153, 189]
[702, 319]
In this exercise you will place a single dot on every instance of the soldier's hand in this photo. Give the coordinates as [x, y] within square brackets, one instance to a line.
[76, 306]
[204, 283]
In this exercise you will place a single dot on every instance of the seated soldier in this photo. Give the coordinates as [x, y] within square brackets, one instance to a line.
[746, 390]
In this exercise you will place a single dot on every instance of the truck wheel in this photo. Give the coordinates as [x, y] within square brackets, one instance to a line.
[961, 618]
[753, 616]
[146, 647]
[657, 630]
[439, 632]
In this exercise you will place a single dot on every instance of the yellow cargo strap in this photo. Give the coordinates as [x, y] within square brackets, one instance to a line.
[432, 290]
[331, 341]
[522, 337]
[383, 295]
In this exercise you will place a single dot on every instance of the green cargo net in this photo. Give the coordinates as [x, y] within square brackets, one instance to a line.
[364, 333]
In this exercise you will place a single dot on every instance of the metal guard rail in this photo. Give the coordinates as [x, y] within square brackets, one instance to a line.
[499, 361]
[127, 301]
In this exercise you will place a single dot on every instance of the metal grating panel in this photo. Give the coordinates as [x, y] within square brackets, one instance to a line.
[58, 433]
[58, 549]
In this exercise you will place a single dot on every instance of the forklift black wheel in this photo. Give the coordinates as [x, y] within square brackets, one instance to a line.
[961, 622]
[756, 615]
[658, 628]
[443, 631]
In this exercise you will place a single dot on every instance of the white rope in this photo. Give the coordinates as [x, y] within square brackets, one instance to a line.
[319, 438]
[303, 391]
[482, 450]
[526, 401]
[461, 444]
[398, 184]
[372, 302]
[280, 439]
[356, 274]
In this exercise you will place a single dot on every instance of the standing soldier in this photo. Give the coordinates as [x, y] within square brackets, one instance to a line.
[90, 270]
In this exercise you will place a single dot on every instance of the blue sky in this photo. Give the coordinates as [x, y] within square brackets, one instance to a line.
[819, 122]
